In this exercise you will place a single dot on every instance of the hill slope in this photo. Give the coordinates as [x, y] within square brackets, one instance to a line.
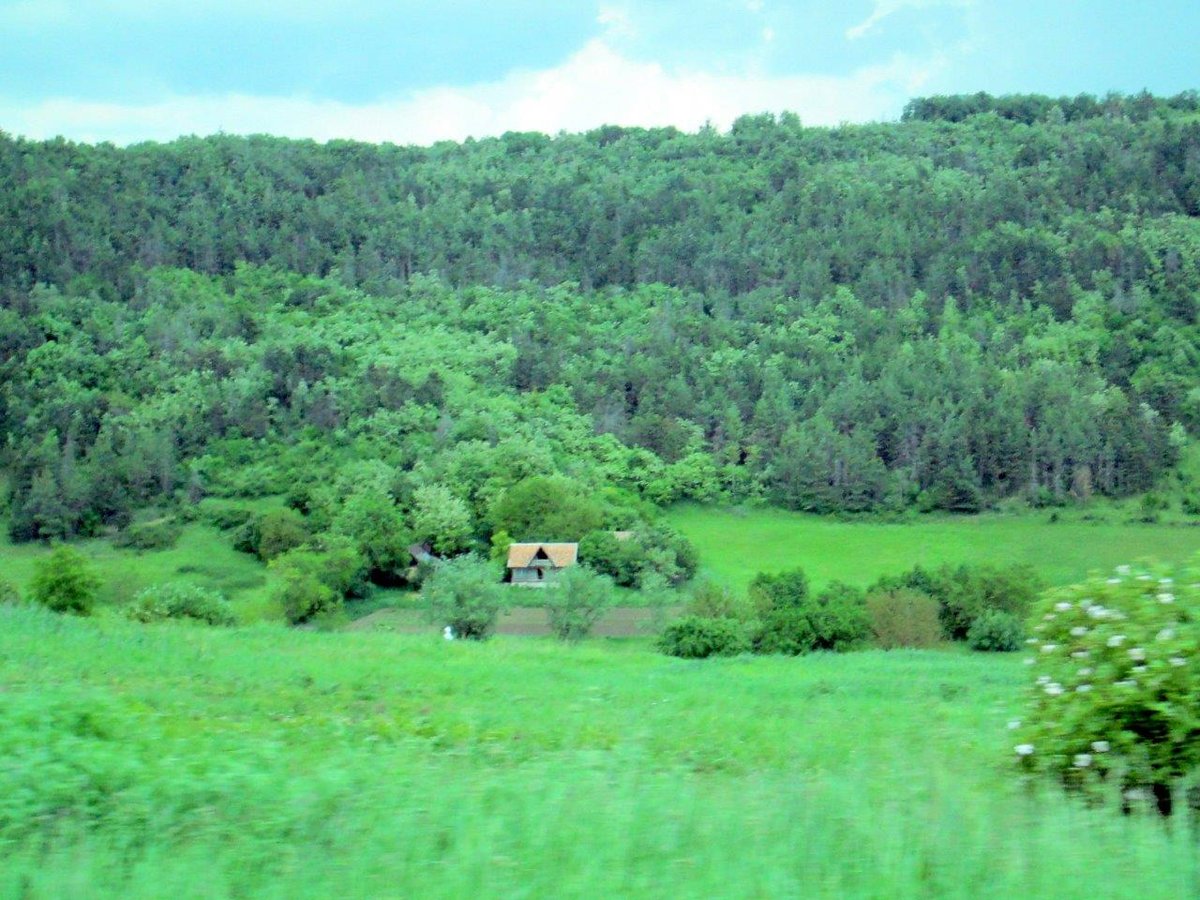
[980, 302]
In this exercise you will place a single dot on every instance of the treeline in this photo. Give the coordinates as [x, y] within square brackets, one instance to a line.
[987, 209]
[879, 317]
[1031, 108]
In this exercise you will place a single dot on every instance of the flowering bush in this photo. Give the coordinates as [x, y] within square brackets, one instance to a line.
[1115, 693]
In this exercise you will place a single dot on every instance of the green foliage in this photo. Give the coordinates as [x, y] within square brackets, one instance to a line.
[267, 535]
[996, 631]
[1112, 703]
[156, 535]
[500, 543]
[546, 508]
[1018, 322]
[64, 582]
[441, 519]
[779, 590]
[228, 517]
[316, 578]
[966, 592]
[465, 593]
[693, 637]
[835, 619]
[279, 531]
[629, 560]
[903, 618]
[372, 521]
[576, 600]
[180, 601]
[708, 599]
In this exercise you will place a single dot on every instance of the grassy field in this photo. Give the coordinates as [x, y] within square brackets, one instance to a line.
[203, 556]
[175, 761]
[735, 544]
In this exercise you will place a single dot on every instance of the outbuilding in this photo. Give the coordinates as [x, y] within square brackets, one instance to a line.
[537, 564]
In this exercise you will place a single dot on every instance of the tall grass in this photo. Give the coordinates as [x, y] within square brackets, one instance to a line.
[152, 761]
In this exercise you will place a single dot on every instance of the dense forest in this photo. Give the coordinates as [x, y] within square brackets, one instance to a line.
[993, 297]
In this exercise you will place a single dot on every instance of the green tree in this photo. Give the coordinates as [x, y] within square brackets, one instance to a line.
[465, 593]
[441, 519]
[576, 600]
[376, 526]
[64, 582]
[546, 508]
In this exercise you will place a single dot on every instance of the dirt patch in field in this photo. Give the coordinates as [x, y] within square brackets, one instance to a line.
[620, 621]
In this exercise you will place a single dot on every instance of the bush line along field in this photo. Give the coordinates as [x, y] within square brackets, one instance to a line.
[263, 761]
[734, 544]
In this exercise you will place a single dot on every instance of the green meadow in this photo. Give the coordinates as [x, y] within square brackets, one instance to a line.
[143, 761]
[735, 544]
[178, 761]
[202, 556]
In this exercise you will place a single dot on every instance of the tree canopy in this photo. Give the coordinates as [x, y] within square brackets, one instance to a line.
[994, 297]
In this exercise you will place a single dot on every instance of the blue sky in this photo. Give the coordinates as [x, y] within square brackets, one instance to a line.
[129, 70]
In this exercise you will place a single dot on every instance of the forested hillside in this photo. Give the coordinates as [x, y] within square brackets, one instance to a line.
[993, 297]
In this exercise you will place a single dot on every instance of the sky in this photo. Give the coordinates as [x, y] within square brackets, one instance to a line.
[414, 73]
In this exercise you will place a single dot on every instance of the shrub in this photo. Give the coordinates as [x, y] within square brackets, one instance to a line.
[279, 531]
[710, 600]
[303, 595]
[620, 560]
[228, 517]
[373, 523]
[835, 619]
[161, 534]
[465, 593]
[650, 550]
[64, 582]
[903, 618]
[576, 599]
[996, 631]
[1114, 684]
[963, 593]
[180, 601]
[779, 590]
[315, 579]
[271, 534]
[693, 637]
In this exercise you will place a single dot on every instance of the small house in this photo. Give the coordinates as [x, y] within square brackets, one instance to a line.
[535, 565]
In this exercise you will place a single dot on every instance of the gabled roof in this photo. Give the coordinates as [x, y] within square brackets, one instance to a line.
[521, 556]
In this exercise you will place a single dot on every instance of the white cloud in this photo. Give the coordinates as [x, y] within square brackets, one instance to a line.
[615, 20]
[885, 8]
[595, 86]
